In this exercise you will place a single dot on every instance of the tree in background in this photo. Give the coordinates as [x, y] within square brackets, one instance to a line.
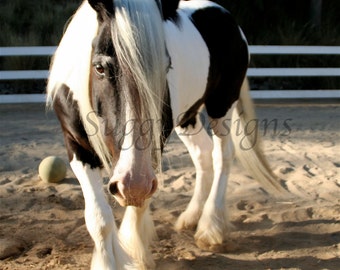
[287, 22]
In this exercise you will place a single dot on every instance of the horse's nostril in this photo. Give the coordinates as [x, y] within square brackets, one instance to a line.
[154, 186]
[113, 188]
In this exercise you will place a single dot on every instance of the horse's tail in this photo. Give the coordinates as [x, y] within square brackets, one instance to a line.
[246, 140]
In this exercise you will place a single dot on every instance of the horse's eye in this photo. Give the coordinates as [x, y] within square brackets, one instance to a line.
[100, 70]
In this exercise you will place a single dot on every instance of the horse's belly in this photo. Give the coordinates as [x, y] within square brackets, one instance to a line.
[188, 74]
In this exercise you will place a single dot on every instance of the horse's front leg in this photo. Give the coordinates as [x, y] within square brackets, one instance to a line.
[136, 233]
[100, 223]
[213, 224]
[85, 163]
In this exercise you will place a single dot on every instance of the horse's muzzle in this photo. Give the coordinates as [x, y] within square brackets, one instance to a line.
[132, 194]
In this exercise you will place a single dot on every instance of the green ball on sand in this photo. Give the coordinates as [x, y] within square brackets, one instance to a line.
[52, 169]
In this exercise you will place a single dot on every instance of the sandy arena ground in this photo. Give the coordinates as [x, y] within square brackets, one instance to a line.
[42, 225]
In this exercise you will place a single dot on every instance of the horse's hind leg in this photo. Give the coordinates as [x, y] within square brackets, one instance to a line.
[213, 224]
[199, 145]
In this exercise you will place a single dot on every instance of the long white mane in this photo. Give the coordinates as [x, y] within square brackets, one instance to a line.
[138, 38]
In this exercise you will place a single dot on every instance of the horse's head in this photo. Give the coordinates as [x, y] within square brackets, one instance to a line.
[127, 83]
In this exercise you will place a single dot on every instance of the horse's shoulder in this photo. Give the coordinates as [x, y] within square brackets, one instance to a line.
[76, 138]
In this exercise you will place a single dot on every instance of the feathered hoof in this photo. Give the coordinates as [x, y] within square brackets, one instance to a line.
[215, 241]
[214, 238]
[146, 265]
[209, 241]
[141, 260]
[186, 221]
[224, 247]
[218, 248]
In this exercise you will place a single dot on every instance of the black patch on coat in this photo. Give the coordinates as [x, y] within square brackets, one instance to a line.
[228, 62]
[75, 136]
[169, 9]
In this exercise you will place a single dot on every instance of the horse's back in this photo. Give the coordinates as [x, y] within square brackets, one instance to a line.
[189, 62]
[209, 58]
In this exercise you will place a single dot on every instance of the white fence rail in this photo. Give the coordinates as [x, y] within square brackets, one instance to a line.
[252, 72]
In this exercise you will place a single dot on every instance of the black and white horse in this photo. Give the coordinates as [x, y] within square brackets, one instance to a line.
[125, 74]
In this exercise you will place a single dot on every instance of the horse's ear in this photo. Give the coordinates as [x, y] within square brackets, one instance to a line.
[102, 7]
